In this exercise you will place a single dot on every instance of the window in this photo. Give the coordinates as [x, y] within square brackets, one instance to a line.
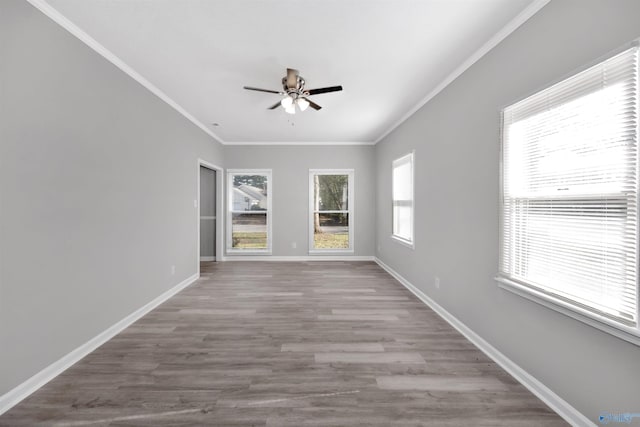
[570, 196]
[331, 208]
[402, 215]
[249, 219]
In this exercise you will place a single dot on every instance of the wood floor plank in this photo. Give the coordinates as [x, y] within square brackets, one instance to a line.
[358, 317]
[269, 294]
[218, 311]
[344, 290]
[375, 298]
[374, 311]
[333, 347]
[369, 358]
[332, 343]
[441, 383]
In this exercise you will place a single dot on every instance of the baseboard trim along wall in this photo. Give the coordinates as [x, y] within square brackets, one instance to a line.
[298, 258]
[17, 394]
[555, 402]
[207, 258]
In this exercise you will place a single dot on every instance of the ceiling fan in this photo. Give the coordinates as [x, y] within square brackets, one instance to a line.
[294, 94]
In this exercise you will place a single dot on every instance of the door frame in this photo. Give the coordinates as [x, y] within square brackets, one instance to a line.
[219, 210]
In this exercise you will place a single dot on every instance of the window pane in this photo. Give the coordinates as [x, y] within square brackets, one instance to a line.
[402, 221]
[573, 148]
[331, 231]
[331, 192]
[580, 252]
[249, 231]
[402, 182]
[249, 193]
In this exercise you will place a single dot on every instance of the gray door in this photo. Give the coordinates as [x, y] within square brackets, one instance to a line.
[207, 214]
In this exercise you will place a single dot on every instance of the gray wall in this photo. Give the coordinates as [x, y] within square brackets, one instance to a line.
[207, 209]
[290, 191]
[97, 182]
[456, 138]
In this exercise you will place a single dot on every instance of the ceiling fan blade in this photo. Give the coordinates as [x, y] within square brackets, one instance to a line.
[274, 106]
[292, 78]
[324, 90]
[313, 104]
[262, 90]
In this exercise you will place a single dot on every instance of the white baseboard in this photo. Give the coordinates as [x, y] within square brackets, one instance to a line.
[544, 393]
[20, 392]
[298, 258]
[207, 258]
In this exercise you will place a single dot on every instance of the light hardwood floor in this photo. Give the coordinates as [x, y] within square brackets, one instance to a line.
[287, 344]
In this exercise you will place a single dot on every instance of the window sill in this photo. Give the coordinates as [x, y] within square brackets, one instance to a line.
[403, 242]
[232, 252]
[330, 251]
[626, 333]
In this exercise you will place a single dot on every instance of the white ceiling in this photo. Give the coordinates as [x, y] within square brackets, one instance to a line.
[389, 55]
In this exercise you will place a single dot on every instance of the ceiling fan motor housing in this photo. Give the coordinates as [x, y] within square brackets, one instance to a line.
[297, 89]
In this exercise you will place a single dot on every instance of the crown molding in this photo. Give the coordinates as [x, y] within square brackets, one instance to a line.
[72, 28]
[516, 22]
[299, 143]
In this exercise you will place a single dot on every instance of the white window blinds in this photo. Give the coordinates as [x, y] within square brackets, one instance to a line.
[570, 191]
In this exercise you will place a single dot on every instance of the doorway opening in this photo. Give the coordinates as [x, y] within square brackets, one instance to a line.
[210, 219]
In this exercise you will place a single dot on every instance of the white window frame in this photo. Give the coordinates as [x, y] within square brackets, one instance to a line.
[230, 250]
[611, 326]
[350, 212]
[406, 242]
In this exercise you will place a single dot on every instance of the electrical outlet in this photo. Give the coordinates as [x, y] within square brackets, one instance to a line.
[173, 270]
[294, 245]
[436, 282]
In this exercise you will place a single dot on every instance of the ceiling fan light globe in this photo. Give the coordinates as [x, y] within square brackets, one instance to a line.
[302, 103]
[291, 109]
[287, 102]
